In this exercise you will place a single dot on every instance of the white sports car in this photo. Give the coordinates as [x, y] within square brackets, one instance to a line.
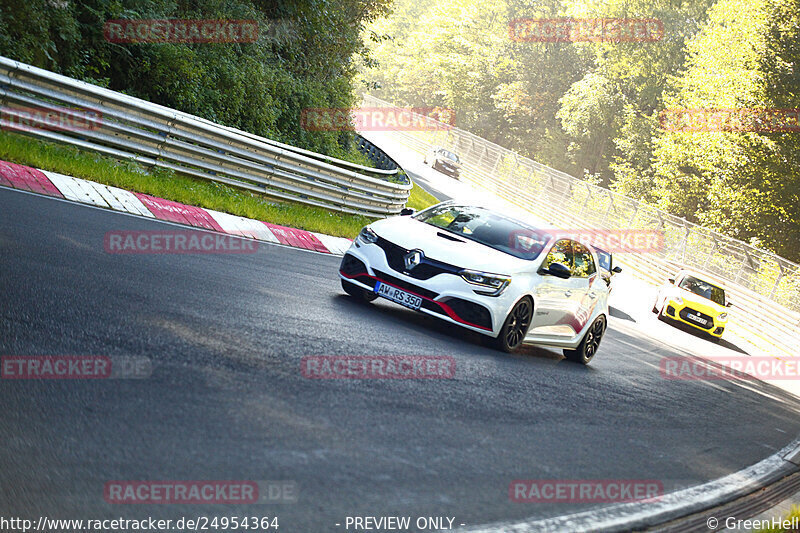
[487, 272]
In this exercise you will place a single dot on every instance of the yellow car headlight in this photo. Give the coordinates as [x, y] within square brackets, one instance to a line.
[722, 316]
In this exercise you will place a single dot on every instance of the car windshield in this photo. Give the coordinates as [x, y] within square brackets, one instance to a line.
[488, 228]
[704, 289]
[449, 155]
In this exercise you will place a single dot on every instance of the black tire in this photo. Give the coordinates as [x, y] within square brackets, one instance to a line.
[515, 327]
[587, 349]
[358, 292]
[655, 309]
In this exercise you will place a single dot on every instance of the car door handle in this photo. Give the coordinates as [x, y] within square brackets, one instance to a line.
[592, 295]
[568, 293]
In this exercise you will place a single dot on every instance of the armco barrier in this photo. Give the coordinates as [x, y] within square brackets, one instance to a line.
[376, 155]
[764, 288]
[128, 128]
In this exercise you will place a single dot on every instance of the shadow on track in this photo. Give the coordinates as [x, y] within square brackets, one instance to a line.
[617, 313]
[700, 335]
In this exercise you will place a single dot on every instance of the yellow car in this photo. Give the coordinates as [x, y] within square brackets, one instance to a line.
[690, 299]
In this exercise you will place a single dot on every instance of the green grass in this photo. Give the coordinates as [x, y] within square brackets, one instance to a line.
[419, 198]
[166, 184]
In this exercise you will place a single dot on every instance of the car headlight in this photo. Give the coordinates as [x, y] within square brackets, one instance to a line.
[494, 283]
[678, 300]
[367, 236]
[722, 316]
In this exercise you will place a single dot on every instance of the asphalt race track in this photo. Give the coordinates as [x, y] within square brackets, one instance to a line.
[226, 400]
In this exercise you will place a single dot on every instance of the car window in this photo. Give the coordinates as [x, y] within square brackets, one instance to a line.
[703, 288]
[603, 259]
[448, 155]
[583, 264]
[561, 252]
[443, 218]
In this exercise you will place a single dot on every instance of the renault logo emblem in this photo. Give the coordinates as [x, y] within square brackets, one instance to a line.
[413, 258]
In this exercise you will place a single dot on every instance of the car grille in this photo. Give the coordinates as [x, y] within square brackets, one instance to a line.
[707, 323]
[405, 285]
[426, 269]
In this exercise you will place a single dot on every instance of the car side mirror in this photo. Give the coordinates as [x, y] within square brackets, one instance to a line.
[616, 269]
[558, 270]
[407, 211]
[728, 304]
[671, 280]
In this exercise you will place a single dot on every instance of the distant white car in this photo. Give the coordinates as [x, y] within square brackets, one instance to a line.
[487, 272]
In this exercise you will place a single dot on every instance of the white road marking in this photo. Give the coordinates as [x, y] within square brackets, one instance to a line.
[336, 245]
[247, 227]
[109, 198]
[130, 202]
[65, 185]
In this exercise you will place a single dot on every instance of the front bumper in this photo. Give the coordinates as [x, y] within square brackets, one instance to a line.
[446, 169]
[683, 313]
[445, 295]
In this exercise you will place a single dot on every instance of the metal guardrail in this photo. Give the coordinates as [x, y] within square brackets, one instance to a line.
[132, 129]
[765, 288]
[378, 156]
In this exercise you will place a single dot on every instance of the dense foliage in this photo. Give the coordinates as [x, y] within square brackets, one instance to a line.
[592, 108]
[307, 54]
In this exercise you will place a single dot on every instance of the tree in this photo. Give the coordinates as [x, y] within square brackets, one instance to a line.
[744, 182]
[306, 56]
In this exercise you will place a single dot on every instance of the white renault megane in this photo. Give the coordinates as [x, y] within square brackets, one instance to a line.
[484, 271]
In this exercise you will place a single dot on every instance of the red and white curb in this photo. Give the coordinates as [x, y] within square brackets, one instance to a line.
[89, 192]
